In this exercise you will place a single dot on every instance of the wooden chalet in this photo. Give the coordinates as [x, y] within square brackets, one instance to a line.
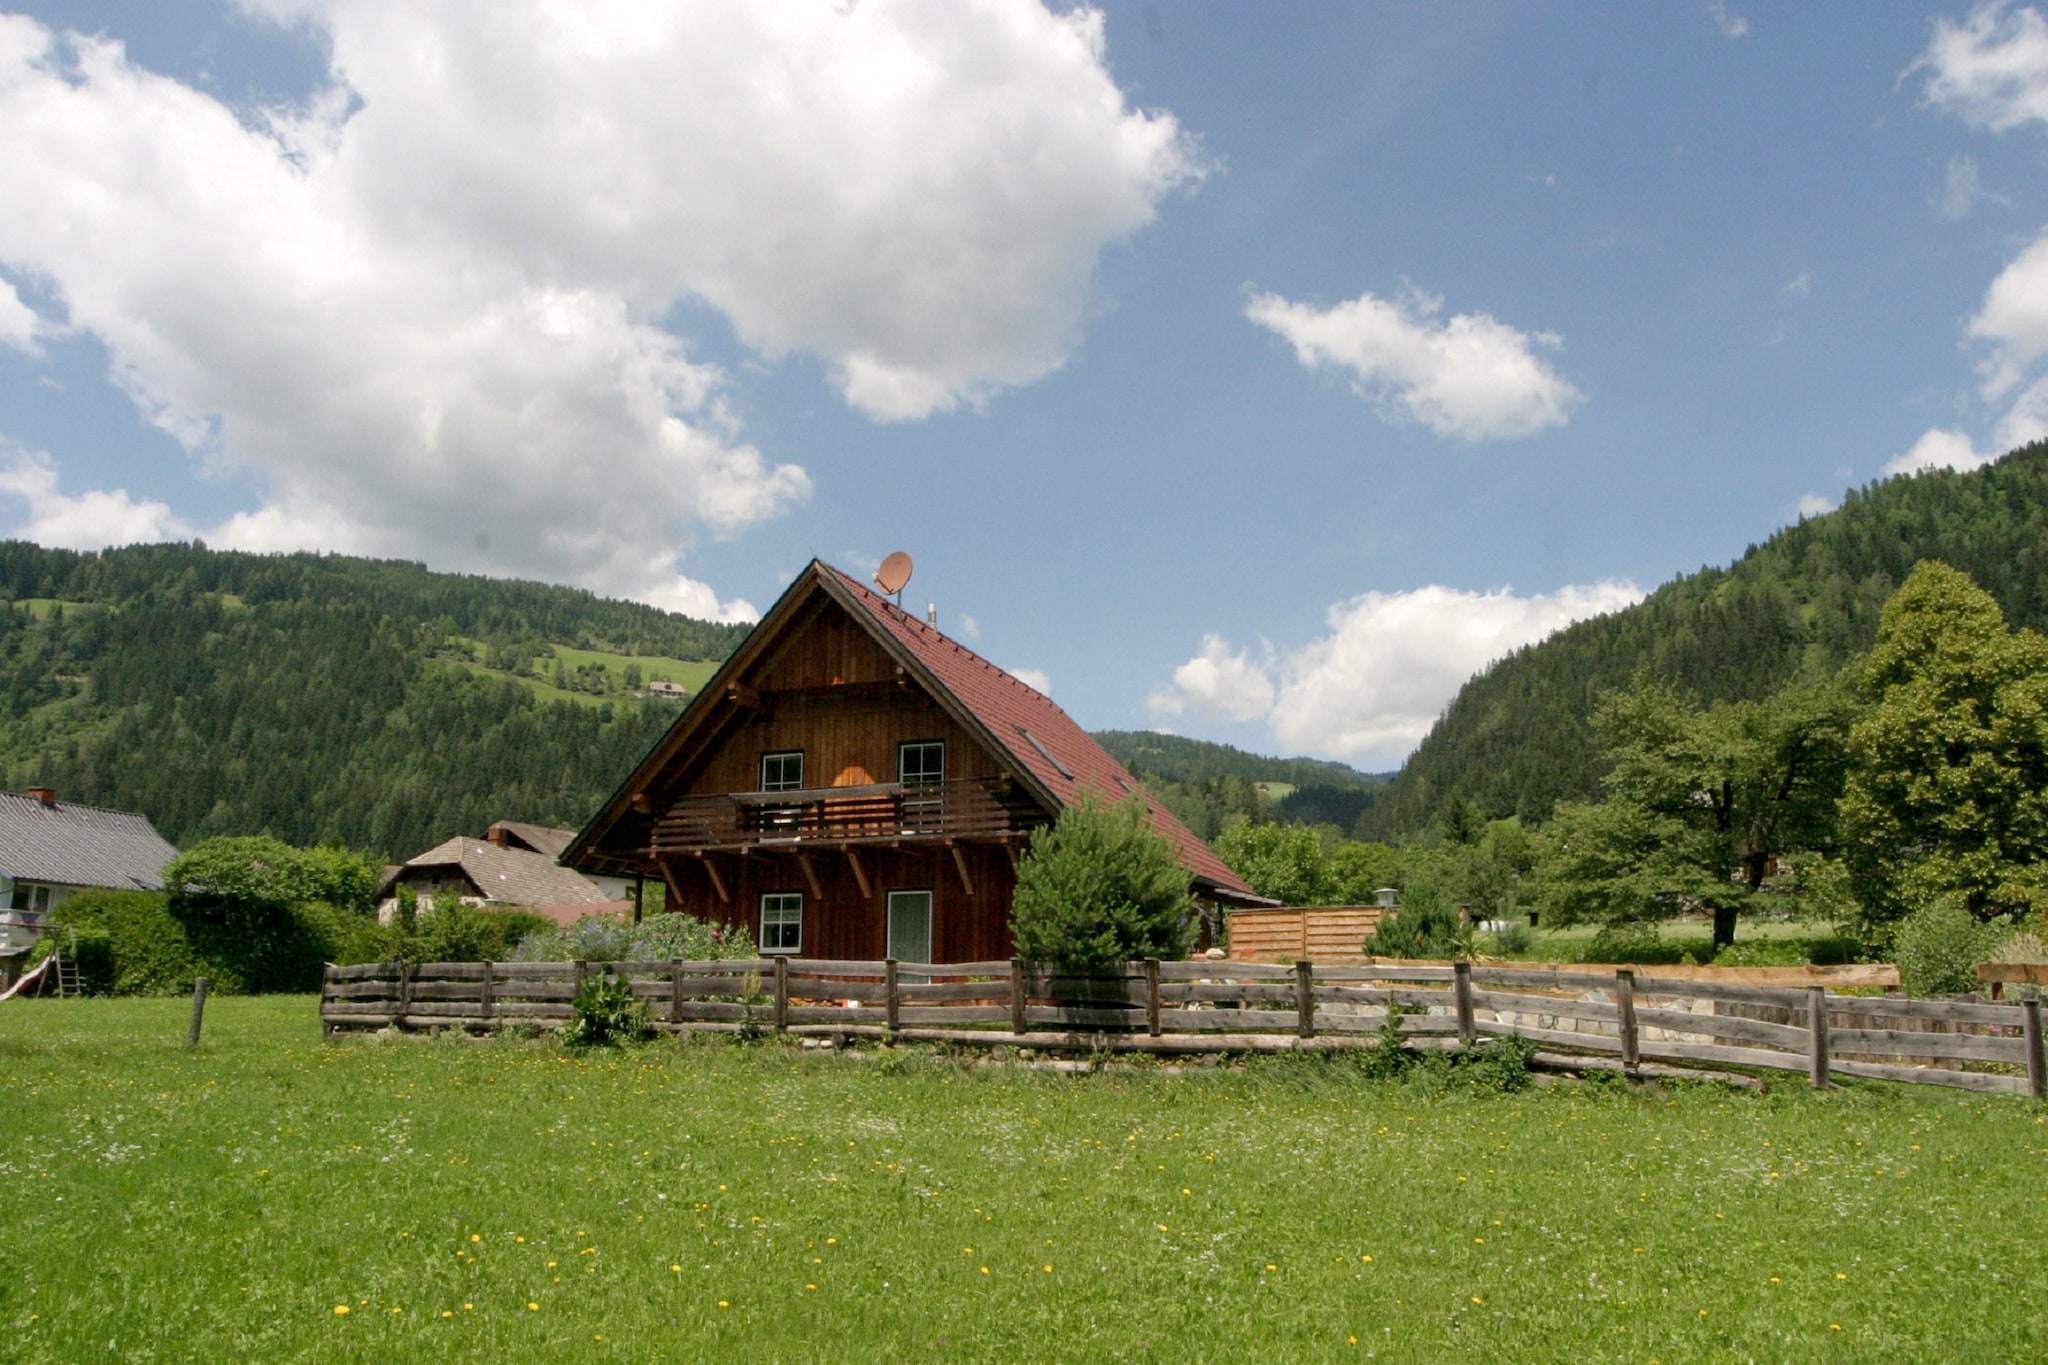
[853, 784]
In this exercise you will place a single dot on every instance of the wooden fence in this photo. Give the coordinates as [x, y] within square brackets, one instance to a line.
[1211, 1006]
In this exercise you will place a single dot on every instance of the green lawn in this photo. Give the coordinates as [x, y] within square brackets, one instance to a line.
[506, 1200]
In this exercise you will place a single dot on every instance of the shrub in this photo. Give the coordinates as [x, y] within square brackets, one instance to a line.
[1101, 887]
[1514, 941]
[133, 943]
[607, 1013]
[1427, 925]
[606, 938]
[1939, 946]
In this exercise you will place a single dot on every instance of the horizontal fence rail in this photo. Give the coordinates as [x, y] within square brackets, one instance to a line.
[1245, 1006]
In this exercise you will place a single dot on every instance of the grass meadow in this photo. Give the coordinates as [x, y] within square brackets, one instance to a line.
[272, 1195]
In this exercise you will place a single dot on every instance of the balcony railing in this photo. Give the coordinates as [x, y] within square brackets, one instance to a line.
[974, 808]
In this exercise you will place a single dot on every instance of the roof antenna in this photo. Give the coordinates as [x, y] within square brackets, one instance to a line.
[893, 575]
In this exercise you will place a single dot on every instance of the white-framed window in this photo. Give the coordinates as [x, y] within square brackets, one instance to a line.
[782, 772]
[782, 921]
[921, 762]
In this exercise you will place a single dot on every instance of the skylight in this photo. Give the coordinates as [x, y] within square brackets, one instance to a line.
[1046, 754]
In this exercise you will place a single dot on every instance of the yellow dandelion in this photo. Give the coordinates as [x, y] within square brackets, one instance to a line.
[1271, 1266]
[984, 1270]
[341, 1310]
[811, 1287]
[475, 1237]
[1162, 1227]
[1048, 1270]
[677, 1269]
[1834, 1327]
[1479, 1241]
[1841, 1277]
[1366, 1259]
[532, 1307]
[723, 1304]
[1479, 1298]
[447, 1312]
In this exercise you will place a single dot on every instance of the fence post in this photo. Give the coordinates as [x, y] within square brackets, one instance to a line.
[675, 990]
[1817, 1024]
[1625, 1015]
[889, 997]
[582, 974]
[1018, 1023]
[485, 998]
[2037, 1065]
[1152, 996]
[1304, 999]
[199, 990]
[781, 994]
[404, 993]
[1461, 992]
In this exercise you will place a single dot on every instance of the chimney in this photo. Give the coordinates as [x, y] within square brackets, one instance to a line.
[496, 835]
[46, 795]
[931, 615]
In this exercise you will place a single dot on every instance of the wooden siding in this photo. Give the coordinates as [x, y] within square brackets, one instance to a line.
[842, 922]
[1333, 934]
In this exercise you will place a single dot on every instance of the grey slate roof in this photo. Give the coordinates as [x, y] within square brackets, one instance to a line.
[512, 876]
[540, 838]
[73, 845]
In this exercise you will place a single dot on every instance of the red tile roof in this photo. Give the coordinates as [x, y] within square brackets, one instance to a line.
[1013, 711]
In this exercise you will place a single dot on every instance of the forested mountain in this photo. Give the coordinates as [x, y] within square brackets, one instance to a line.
[1516, 738]
[1206, 784]
[324, 697]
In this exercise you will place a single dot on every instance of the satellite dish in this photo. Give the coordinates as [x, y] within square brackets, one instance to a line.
[894, 573]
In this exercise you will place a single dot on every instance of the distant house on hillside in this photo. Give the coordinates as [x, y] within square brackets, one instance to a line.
[661, 687]
[50, 849]
[490, 872]
[853, 784]
[550, 842]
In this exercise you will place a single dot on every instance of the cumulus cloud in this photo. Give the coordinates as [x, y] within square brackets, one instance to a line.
[1470, 376]
[1219, 683]
[1731, 24]
[1938, 448]
[424, 313]
[1369, 689]
[19, 325]
[1035, 678]
[1815, 505]
[83, 521]
[1992, 68]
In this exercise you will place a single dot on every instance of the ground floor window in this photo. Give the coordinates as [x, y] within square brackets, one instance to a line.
[910, 926]
[782, 921]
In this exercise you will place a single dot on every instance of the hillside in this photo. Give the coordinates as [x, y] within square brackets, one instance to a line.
[1515, 739]
[1204, 783]
[324, 697]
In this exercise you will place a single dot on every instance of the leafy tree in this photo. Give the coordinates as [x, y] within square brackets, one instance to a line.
[1285, 863]
[1701, 801]
[232, 879]
[1355, 871]
[1949, 793]
[1100, 887]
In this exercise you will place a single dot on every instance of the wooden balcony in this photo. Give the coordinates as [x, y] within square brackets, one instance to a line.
[976, 809]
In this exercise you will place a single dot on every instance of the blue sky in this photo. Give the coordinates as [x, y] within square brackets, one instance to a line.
[1252, 371]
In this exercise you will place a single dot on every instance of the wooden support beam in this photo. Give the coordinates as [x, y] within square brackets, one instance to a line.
[860, 874]
[717, 882]
[803, 860]
[739, 694]
[960, 866]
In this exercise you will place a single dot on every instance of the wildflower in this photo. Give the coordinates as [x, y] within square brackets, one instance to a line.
[447, 1312]
[532, 1307]
[723, 1304]
[475, 1237]
[1048, 1270]
[1479, 1298]
[984, 1270]
[341, 1310]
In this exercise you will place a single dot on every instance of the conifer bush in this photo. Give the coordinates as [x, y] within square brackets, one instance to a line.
[1101, 887]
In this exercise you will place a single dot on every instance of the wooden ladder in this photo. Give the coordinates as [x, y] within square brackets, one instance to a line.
[67, 976]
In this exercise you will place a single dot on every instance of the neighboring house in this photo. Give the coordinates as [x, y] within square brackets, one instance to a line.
[483, 872]
[548, 840]
[661, 687]
[50, 849]
[855, 785]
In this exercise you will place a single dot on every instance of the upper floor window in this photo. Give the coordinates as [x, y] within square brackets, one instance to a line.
[921, 762]
[782, 772]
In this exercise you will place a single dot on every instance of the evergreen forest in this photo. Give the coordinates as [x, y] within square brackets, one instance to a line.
[325, 698]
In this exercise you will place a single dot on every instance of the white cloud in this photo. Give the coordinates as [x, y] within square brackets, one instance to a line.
[1732, 25]
[19, 325]
[2014, 319]
[422, 315]
[1370, 689]
[1963, 188]
[83, 521]
[1472, 376]
[1991, 69]
[1938, 448]
[1218, 683]
[1799, 286]
[970, 629]
[1036, 678]
[1815, 505]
